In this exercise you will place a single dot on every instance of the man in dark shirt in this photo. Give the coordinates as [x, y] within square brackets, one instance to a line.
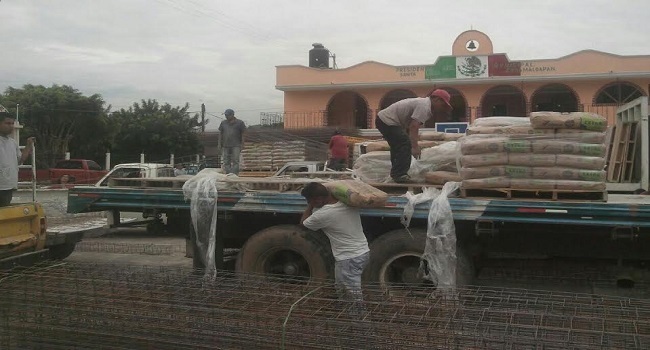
[338, 148]
[231, 133]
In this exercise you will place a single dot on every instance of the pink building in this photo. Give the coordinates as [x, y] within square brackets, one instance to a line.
[481, 82]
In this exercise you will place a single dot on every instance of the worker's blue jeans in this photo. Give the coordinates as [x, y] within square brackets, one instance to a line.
[400, 147]
[347, 274]
[230, 160]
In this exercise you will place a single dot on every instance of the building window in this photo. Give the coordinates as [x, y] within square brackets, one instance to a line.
[617, 93]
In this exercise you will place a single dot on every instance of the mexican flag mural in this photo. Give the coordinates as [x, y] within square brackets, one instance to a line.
[464, 67]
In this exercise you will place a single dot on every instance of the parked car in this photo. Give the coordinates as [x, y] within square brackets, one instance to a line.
[77, 171]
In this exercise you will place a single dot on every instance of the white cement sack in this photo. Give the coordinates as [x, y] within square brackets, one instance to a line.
[580, 185]
[441, 177]
[501, 121]
[532, 184]
[492, 182]
[574, 120]
[531, 159]
[580, 162]
[487, 159]
[582, 136]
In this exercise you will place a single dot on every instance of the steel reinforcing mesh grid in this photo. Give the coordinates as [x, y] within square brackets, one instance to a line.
[81, 306]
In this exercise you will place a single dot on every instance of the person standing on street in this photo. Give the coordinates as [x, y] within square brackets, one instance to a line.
[400, 125]
[342, 225]
[10, 157]
[179, 170]
[338, 148]
[231, 134]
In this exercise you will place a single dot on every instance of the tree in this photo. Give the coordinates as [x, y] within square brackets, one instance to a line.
[59, 116]
[154, 129]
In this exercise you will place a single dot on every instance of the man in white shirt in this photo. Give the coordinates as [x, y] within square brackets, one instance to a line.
[10, 157]
[342, 225]
[400, 125]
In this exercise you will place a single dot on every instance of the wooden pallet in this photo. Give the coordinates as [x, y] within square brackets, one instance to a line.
[553, 195]
[623, 152]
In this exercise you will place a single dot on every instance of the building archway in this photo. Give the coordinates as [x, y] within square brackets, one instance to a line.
[459, 113]
[554, 98]
[618, 93]
[347, 109]
[394, 96]
[503, 100]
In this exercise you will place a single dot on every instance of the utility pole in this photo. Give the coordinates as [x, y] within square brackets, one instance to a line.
[202, 117]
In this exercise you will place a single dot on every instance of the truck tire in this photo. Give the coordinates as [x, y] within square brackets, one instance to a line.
[395, 259]
[288, 250]
[62, 251]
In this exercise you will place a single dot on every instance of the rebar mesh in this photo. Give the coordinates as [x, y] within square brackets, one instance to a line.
[71, 306]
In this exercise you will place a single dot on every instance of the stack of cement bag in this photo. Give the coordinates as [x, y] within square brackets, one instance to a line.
[266, 156]
[437, 155]
[548, 151]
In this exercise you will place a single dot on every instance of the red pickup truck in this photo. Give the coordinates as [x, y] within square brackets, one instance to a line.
[78, 171]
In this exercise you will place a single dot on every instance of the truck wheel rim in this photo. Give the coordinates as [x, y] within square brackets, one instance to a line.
[287, 263]
[401, 269]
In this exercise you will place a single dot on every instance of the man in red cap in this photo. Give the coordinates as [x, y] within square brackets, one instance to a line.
[400, 125]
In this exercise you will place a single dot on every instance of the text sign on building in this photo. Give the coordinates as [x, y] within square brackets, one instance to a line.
[499, 65]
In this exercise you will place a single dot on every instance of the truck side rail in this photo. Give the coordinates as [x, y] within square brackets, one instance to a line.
[634, 213]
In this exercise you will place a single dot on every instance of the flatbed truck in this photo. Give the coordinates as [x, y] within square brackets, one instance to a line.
[263, 224]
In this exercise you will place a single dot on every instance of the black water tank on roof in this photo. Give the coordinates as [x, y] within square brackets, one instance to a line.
[319, 56]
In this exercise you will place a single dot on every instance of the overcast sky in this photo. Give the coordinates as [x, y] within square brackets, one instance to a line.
[224, 53]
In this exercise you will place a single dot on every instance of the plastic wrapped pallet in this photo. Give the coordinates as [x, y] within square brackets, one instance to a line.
[533, 161]
[373, 167]
[357, 193]
[574, 120]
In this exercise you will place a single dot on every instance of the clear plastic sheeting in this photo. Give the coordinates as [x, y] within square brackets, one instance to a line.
[202, 190]
[439, 259]
[374, 167]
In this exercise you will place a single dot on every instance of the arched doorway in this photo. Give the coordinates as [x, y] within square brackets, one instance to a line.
[459, 111]
[618, 93]
[503, 100]
[347, 109]
[554, 98]
[394, 96]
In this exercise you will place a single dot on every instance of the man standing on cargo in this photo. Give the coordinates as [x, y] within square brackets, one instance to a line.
[338, 148]
[342, 225]
[231, 134]
[10, 157]
[400, 125]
